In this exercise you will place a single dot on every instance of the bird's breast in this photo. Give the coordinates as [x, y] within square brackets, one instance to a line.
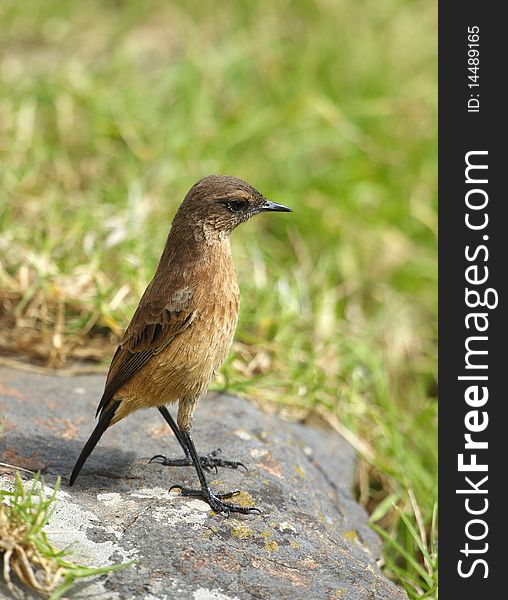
[216, 319]
[186, 366]
[192, 359]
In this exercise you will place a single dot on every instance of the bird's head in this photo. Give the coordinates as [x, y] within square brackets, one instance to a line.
[218, 203]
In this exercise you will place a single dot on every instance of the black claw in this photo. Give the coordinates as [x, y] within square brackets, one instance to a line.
[209, 467]
[215, 501]
[210, 462]
[157, 456]
[177, 487]
[171, 462]
[228, 494]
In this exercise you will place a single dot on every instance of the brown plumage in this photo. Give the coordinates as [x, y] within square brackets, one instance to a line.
[184, 325]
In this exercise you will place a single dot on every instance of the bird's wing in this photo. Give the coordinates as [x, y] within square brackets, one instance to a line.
[154, 325]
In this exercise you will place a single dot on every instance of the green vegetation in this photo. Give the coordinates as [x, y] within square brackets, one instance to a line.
[110, 110]
[25, 549]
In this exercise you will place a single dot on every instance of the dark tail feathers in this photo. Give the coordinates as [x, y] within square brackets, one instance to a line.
[100, 428]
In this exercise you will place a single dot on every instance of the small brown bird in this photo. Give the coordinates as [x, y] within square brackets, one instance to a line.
[184, 325]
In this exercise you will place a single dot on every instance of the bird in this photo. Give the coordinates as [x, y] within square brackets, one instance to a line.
[183, 328]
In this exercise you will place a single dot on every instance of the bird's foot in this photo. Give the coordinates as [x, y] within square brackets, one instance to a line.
[171, 462]
[215, 500]
[212, 461]
[208, 462]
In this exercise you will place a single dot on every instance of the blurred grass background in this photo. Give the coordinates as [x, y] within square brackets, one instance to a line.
[111, 110]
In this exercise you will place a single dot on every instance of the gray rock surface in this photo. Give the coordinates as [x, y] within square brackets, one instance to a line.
[311, 542]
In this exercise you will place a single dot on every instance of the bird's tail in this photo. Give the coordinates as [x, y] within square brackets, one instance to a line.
[100, 428]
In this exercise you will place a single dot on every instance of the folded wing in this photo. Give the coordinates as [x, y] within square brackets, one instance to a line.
[153, 327]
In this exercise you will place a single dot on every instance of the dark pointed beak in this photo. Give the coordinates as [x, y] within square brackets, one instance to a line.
[274, 207]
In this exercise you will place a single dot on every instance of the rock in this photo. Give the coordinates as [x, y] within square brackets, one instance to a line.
[312, 540]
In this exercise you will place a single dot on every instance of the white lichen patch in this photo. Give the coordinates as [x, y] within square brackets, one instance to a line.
[259, 453]
[172, 509]
[206, 594]
[193, 512]
[110, 498]
[72, 525]
[173, 588]
[69, 526]
[243, 434]
[154, 492]
[115, 501]
[286, 527]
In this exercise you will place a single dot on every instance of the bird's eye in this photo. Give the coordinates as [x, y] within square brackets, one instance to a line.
[235, 205]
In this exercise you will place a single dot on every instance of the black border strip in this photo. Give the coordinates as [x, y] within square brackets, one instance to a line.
[472, 522]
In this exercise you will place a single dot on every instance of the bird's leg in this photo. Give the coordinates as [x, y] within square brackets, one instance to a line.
[209, 461]
[205, 493]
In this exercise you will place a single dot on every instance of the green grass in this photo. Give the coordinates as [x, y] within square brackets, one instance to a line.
[109, 111]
